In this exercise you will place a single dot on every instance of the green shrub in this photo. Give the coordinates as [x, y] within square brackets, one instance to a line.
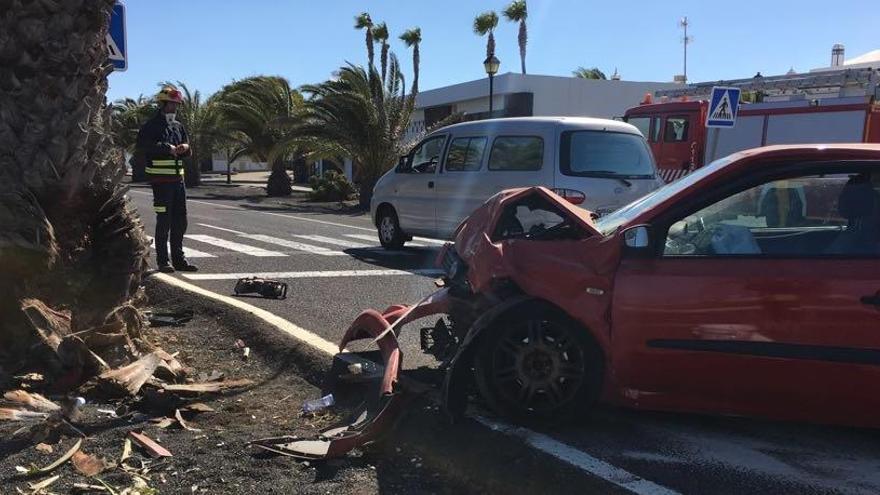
[333, 186]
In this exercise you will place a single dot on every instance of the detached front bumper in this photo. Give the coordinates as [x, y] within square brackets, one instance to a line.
[381, 409]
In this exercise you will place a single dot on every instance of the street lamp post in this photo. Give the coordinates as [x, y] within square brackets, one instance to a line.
[491, 65]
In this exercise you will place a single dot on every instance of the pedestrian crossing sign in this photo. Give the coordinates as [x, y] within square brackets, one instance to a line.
[117, 49]
[723, 107]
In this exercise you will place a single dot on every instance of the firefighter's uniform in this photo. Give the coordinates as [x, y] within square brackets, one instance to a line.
[165, 171]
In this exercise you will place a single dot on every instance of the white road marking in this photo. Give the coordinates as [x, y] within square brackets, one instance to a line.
[305, 336]
[312, 274]
[221, 228]
[299, 246]
[577, 458]
[234, 246]
[335, 242]
[417, 241]
[188, 252]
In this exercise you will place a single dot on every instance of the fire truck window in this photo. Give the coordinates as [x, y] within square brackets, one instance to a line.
[655, 131]
[676, 129]
[643, 124]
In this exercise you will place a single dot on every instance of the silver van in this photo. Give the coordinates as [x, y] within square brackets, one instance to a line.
[598, 164]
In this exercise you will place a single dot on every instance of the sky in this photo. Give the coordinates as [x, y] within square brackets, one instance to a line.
[208, 43]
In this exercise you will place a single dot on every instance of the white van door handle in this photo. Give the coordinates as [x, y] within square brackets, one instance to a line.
[431, 185]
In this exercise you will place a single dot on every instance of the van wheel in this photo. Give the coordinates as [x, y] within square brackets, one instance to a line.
[390, 235]
[535, 363]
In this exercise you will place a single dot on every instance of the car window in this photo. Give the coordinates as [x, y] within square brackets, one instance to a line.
[425, 156]
[643, 124]
[601, 153]
[818, 215]
[517, 153]
[676, 129]
[465, 154]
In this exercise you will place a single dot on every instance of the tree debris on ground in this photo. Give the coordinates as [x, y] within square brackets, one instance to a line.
[149, 445]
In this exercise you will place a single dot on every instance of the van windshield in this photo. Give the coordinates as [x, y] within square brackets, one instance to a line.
[605, 154]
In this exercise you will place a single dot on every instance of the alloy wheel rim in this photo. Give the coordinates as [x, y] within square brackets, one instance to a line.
[538, 366]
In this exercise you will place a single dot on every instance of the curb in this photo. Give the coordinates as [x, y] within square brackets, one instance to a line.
[509, 464]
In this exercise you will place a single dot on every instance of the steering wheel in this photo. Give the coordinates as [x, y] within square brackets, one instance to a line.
[546, 232]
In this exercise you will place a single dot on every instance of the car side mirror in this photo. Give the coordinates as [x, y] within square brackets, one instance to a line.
[637, 237]
[401, 163]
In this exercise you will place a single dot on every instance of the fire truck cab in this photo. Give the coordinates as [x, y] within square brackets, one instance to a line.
[843, 107]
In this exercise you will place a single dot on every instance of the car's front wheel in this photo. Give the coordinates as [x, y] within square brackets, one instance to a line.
[390, 235]
[536, 363]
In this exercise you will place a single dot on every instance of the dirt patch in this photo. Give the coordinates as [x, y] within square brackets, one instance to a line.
[216, 458]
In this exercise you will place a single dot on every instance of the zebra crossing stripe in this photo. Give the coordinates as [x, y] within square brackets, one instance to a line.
[417, 242]
[234, 246]
[188, 252]
[335, 242]
[299, 246]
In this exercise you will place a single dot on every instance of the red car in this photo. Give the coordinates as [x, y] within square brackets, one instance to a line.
[750, 287]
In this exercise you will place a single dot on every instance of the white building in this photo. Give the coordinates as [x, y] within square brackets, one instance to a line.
[522, 95]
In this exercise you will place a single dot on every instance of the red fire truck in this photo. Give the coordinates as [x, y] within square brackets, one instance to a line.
[840, 106]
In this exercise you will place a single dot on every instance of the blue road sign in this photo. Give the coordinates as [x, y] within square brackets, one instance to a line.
[116, 42]
[723, 107]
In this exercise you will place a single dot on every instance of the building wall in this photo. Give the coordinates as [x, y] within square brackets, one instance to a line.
[553, 96]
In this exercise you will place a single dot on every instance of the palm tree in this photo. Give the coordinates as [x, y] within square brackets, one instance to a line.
[351, 115]
[517, 12]
[363, 21]
[72, 249]
[126, 118]
[251, 108]
[484, 24]
[380, 35]
[585, 73]
[412, 38]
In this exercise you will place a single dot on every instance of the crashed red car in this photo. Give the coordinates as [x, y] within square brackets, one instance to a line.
[750, 287]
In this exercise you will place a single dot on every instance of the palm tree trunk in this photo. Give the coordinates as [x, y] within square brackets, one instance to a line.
[279, 181]
[490, 45]
[523, 40]
[416, 61]
[193, 167]
[370, 49]
[384, 60]
[69, 237]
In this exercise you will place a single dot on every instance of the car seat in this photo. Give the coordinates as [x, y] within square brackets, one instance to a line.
[859, 204]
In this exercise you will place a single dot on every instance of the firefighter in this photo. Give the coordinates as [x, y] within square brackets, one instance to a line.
[164, 144]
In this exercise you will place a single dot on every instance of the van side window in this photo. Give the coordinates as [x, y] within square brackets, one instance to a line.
[518, 153]
[676, 129]
[425, 157]
[465, 154]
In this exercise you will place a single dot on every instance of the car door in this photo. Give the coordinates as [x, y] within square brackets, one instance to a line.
[459, 183]
[676, 155]
[414, 190]
[760, 300]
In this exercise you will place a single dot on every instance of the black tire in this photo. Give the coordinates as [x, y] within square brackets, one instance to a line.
[535, 364]
[388, 228]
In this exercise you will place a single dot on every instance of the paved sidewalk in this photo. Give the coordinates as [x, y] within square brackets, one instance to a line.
[258, 178]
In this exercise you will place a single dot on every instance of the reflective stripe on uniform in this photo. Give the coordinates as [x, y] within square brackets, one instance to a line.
[160, 209]
[164, 163]
[164, 171]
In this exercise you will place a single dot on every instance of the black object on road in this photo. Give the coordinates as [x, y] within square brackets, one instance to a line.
[271, 289]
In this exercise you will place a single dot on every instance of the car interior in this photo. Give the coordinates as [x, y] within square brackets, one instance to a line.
[824, 215]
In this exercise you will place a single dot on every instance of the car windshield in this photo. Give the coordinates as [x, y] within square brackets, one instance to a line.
[602, 153]
[610, 223]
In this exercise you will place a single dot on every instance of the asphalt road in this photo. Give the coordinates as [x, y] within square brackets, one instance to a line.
[335, 269]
